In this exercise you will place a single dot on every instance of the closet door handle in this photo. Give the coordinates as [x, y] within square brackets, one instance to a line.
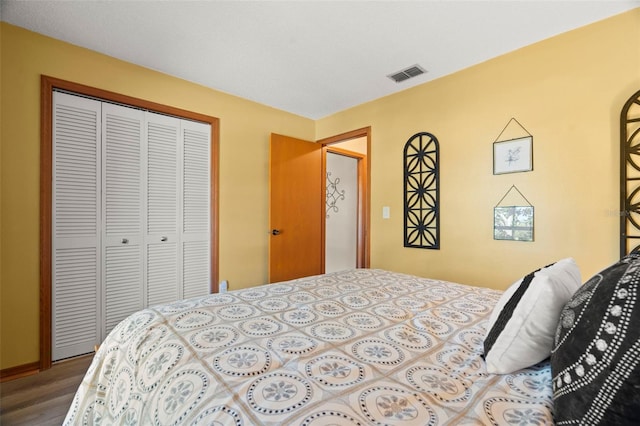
[163, 238]
[125, 241]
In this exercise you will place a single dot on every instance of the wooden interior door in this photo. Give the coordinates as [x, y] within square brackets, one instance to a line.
[296, 210]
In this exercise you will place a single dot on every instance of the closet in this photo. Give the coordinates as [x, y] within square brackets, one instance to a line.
[130, 216]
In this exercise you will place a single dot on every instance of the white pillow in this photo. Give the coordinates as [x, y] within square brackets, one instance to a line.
[523, 324]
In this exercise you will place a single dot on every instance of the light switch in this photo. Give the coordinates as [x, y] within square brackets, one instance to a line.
[386, 212]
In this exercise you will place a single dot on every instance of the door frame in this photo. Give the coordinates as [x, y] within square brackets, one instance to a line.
[47, 86]
[363, 259]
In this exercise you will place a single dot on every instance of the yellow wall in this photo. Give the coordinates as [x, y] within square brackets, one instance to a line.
[244, 148]
[567, 91]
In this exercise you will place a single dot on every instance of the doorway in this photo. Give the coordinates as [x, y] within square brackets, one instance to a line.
[344, 165]
[346, 223]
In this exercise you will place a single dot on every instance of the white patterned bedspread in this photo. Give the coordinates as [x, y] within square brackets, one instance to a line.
[361, 347]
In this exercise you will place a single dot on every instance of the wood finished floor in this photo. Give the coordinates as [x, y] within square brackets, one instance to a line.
[43, 398]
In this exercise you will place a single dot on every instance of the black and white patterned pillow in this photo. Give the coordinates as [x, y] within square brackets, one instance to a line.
[595, 361]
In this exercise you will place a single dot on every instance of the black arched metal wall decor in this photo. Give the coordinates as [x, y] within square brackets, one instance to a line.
[630, 176]
[421, 192]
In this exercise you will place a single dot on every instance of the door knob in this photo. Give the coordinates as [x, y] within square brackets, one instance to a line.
[276, 232]
[125, 241]
[163, 238]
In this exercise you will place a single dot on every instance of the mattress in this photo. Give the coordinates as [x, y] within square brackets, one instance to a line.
[358, 347]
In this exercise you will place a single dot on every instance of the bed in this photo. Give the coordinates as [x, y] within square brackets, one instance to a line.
[358, 347]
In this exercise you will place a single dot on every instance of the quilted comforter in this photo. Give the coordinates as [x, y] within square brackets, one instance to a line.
[360, 347]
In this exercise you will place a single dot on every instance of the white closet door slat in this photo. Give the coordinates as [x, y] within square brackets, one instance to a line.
[196, 209]
[122, 150]
[161, 238]
[162, 172]
[75, 289]
[75, 165]
[162, 277]
[75, 225]
[123, 289]
[123, 206]
[196, 177]
[196, 269]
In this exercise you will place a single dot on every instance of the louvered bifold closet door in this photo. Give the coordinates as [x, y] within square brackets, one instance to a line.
[196, 209]
[123, 196]
[161, 240]
[75, 225]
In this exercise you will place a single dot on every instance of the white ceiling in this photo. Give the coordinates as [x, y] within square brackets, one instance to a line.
[311, 58]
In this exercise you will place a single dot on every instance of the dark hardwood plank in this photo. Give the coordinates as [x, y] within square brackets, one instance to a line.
[43, 398]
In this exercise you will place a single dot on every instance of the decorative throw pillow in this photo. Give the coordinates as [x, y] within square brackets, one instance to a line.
[523, 323]
[595, 361]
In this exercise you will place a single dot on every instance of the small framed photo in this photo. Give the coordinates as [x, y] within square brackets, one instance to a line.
[513, 223]
[512, 156]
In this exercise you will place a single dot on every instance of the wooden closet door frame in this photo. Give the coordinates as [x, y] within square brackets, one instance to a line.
[47, 86]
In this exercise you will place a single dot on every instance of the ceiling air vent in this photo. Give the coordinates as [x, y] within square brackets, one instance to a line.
[407, 73]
